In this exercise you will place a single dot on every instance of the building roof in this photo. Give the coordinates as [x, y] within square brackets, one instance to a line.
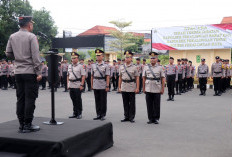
[98, 30]
[226, 20]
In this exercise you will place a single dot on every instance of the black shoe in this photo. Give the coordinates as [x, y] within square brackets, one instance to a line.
[150, 122]
[156, 122]
[79, 117]
[65, 91]
[204, 93]
[30, 128]
[219, 94]
[73, 116]
[132, 121]
[97, 118]
[170, 98]
[125, 120]
[20, 129]
[201, 93]
[102, 118]
[179, 93]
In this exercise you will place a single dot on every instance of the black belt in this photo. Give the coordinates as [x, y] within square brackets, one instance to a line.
[128, 81]
[203, 73]
[217, 72]
[148, 78]
[99, 78]
[75, 80]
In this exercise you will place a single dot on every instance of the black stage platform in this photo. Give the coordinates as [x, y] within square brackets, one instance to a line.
[75, 138]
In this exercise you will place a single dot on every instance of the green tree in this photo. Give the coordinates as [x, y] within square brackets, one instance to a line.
[10, 10]
[164, 59]
[44, 23]
[82, 55]
[123, 38]
[137, 47]
[9, 13]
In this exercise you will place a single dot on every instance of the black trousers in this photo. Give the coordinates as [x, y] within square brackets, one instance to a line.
[202, 83]
[171, 84]
[75, 95]
[184, 86]
[217, 84]
[189, 81]
[114, 82]
[13, 80]
[140, 82]
[223, 84]
[43, 81]
[4, 81]
[192, 81]
[0, 81]
[179, 83]
[10, 80]
[153, 105]
[100, 101]
[228, 82]
[27, 92]
[88, 80]
[117, 78]
[129, 105]
[65, 80]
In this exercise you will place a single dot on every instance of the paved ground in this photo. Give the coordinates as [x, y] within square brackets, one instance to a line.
[191, 126]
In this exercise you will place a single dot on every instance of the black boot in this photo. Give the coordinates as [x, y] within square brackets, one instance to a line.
[204, 93]
[201, 93]
[28, 127]
[21, 124]
[172, 98]
[169, 99]
[216, 93]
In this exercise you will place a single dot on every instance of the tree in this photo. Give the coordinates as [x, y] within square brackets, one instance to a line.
[10, 10]
[44, 23]
[82, 55]
[123, 39]
[137, 47]
[9, 13]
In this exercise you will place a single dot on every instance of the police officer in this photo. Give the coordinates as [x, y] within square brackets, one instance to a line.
[27, 72]
[76, 78]
[100, 79]
[44, 70]
[117, 72]
[114, 78]
[139, 67]
[180, 71]
[217, 75]
[171, 76]
[5, 74]
[128, 85]
[193, 72]
[64, 70]
[188, 75]
[88, 79]
[153, 87]
[203, 74]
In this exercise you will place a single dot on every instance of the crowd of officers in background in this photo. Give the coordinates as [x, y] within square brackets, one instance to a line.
[179, 80]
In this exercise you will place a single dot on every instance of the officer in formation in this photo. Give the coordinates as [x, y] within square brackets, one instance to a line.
[100, 79]
[114, 77]
[153, 87]
[4, 74]
[140, 69]
[128, 85]
[180, 77]
[171, 74]
[27, 73]
[44, 71]
[76, 78]
[117, 72]
[203, 75]
[88, 78]
[64, 70]
[217, 73]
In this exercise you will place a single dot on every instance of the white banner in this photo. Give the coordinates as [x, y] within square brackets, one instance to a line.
[192, 37]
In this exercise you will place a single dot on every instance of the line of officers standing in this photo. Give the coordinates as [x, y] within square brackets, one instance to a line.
[181, 76]
[153, 80]
[7, 76]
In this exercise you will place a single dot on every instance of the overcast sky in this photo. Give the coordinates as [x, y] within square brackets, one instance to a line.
[80, 15]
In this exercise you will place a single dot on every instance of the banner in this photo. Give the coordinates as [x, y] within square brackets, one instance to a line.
[214, 36]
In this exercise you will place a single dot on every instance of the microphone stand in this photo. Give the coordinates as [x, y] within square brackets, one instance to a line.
[53, 64]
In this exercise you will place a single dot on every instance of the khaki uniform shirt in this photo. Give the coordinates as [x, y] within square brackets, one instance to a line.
[203, 71]
[5, 69]
[79, 71]
[64, 67]
[139, 67]
[133, 71]
[153, 86]
[105, 70]
[217, 70]
[171, 70]
[44, 70]
[23, 46]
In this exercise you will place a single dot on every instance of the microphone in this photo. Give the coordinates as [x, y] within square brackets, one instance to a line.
[42, 34]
